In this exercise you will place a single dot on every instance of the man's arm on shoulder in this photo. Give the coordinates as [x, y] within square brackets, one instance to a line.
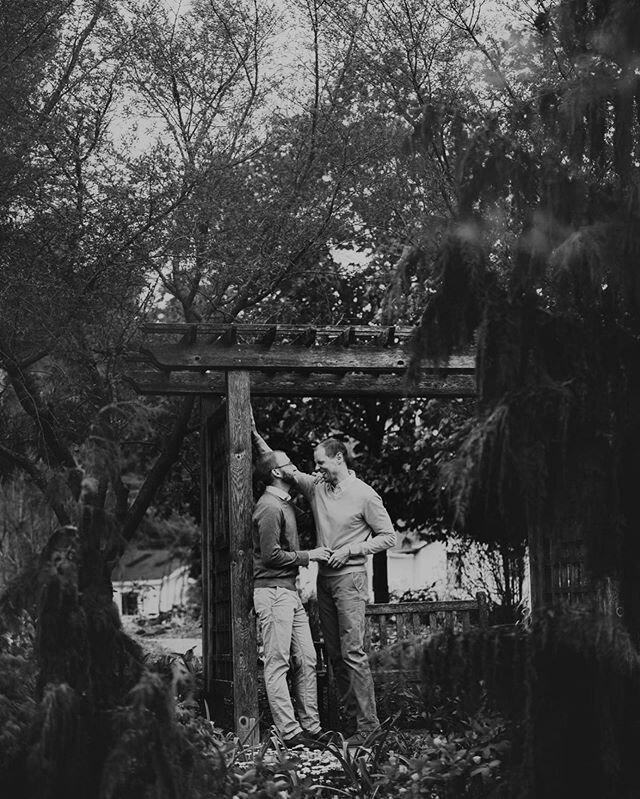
[306, 483]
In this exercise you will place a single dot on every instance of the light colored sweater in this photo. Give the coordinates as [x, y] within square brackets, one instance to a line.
[351, 513]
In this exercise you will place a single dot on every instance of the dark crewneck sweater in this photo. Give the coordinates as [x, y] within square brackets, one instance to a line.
[276, 547]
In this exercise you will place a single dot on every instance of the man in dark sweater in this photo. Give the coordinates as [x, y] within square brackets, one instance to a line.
[284, 623]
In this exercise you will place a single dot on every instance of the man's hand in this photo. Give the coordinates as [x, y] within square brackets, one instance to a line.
[339, 557]
[320, 553]
[259, 443]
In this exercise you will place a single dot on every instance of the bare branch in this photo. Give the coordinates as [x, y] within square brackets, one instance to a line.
[39, 479]
[64, 79]
[159, 470]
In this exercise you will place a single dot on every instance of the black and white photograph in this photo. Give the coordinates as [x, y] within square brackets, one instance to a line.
[319, 399]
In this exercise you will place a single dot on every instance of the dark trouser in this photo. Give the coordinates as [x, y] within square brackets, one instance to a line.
[341, 605]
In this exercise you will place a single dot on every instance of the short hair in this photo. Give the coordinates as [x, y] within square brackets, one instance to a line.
[332, 446]
[266, 463]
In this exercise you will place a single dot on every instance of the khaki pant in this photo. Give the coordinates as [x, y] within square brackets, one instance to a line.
[287, 640]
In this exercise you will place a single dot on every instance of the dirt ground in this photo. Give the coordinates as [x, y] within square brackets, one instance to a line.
[157, 639]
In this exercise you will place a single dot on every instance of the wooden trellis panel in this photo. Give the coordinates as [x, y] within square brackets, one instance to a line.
[216, 628]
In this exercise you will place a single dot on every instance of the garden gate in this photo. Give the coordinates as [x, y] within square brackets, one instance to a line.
[235, 362]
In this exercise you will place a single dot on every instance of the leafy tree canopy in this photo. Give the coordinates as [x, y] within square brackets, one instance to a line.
[545, 247]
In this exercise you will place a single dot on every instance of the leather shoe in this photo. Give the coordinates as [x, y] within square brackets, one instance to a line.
[296, 740]
[321, 736]
[302, 739]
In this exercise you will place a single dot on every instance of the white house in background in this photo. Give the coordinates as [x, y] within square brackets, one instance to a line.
[147, 582]
[447, 569]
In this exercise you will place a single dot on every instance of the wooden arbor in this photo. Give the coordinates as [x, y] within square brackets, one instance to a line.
[233, 362]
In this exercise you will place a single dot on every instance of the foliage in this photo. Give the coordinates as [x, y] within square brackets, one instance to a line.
[540, 265]
[17, 702]
[464, 672]
[205, 182]
[160, 740]
[467, 761]
[26, 523]
[395, 445]
[583, 706]
[428, 594]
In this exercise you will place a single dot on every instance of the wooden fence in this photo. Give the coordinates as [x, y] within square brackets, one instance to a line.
[393, 622]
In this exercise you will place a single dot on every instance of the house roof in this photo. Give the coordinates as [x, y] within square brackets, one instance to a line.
[145, 564]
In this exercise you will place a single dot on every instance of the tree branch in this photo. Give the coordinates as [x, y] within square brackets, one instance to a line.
[39, 480]
[30, 401]
[159, 470]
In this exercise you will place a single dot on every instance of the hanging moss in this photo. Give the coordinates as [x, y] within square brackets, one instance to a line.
[459, 271]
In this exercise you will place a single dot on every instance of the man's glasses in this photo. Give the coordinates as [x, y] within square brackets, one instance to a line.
[282, 465]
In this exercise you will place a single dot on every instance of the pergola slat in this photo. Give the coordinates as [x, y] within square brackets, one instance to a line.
[386, 337]
[307, 338]
[267, 339]
[345, 339]
[285, 332]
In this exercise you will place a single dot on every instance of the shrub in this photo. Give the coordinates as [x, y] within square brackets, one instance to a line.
[17, 704]
[462, 671]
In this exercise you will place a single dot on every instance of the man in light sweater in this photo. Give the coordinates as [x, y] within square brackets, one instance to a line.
[353, 523]
[284, 624]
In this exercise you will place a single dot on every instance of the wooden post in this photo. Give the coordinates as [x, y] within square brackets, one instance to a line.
[483, 609]
[539, 570]
[243, 624]
[380, 578]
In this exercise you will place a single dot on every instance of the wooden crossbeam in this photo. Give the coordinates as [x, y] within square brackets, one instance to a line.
[202, 357]
[297, 384]
[293, 360]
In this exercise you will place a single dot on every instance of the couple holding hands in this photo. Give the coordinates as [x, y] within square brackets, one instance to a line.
[351, 524]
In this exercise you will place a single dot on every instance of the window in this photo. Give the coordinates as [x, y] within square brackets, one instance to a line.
[130, 603]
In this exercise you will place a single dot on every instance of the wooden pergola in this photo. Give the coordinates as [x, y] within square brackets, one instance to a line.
[225, 365]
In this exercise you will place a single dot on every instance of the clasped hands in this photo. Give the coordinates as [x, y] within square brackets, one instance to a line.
[334, 558]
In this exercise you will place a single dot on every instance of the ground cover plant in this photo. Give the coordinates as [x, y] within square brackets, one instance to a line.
[166, 742]
[467, 760]
[423, 749]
